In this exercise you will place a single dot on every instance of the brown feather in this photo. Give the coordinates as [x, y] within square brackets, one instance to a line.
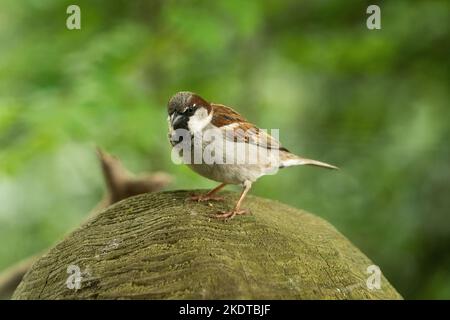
[224, 116]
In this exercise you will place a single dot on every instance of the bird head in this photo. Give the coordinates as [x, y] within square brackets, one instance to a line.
[189, 111]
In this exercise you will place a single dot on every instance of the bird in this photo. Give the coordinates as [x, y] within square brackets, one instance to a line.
[194, 116]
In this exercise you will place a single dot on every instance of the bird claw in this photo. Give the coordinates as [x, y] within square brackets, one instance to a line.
[228, 215]
[204, 197]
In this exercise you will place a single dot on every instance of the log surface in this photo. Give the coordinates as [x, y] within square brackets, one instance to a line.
[161, 246]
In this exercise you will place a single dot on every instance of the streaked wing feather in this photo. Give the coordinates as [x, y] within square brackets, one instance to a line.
[237, 128]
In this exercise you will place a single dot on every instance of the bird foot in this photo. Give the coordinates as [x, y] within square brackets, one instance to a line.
[205, 197]
[228, 215]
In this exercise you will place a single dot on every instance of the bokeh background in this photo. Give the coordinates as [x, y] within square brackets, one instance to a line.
[375, 103]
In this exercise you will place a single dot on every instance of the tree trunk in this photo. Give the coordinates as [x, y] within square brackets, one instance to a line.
[161, 246]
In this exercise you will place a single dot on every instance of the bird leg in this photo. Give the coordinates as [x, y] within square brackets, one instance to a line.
[209, 196]
[237, 208]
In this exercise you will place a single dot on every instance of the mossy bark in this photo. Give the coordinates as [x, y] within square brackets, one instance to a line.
[160, 246]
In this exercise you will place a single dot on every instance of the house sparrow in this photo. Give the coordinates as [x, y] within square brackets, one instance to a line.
[191, 113]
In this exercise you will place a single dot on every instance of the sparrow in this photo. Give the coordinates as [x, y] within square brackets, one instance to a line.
[193, 114]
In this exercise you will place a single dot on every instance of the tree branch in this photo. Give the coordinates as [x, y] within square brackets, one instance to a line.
[120, 184]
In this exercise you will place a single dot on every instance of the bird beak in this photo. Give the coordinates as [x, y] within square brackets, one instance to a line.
[175, 119]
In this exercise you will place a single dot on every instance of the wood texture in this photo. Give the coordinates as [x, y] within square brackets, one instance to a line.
[120, 184]
[161, 246]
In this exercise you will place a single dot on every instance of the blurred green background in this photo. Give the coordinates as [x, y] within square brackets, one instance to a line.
[375, 103]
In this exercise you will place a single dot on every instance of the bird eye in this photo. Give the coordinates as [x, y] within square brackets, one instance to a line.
[190, 110]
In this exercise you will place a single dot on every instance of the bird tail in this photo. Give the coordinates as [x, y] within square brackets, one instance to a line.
[293, 160]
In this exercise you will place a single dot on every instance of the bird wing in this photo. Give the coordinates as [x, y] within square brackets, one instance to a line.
[238, 129]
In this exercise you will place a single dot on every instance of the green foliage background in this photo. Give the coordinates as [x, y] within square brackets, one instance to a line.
[375, 103]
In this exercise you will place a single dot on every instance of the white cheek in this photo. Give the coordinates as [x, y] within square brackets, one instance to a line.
[199, 120]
